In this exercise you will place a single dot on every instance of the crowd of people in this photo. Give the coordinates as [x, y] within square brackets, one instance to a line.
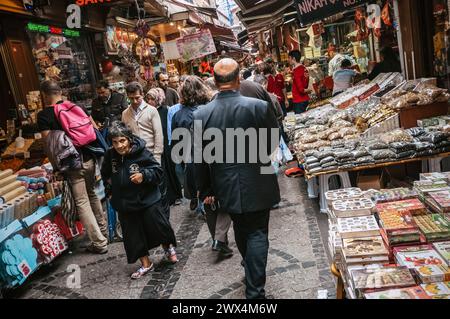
[133, 143]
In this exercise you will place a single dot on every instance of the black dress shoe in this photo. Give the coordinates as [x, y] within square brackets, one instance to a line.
[222, 248]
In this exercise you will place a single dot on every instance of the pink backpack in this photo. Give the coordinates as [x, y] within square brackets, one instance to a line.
[76, 123]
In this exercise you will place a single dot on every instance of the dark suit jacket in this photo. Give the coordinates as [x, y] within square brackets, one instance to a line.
[239, 187]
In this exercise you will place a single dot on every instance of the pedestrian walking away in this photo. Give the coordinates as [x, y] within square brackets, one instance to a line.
[240, 188]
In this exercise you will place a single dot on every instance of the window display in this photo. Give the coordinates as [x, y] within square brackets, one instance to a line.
[64, 59]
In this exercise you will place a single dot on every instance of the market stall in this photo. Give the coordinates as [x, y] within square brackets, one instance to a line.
[392, 244]
[369, 126]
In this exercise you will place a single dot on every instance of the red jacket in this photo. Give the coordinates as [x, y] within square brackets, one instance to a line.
[275, 85]
[300, 83]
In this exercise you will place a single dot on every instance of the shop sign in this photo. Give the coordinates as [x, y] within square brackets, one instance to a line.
[52, 30]
[197, 45]
[310, 11]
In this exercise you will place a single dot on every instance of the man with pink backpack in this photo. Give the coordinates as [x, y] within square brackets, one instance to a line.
[59, 115]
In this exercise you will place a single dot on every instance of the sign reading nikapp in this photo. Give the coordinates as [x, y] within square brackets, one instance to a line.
[314, 10]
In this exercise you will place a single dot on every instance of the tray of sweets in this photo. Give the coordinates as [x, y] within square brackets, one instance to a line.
[413, 206]
[362, 226]
[396, 220]
[443, 248]
[401, 237]
[383, 278]
[343, 194]
[437, 289]
[353, 207]
[434, 227]
[426, 263]
[425, 187]
[442, 200]
[416, 292]
[395, 194]
[364, 247]
[434, 177]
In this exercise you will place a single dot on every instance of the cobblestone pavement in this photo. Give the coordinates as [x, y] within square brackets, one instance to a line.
[297, 266]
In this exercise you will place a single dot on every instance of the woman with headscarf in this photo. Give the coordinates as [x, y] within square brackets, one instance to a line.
[193, 93]
[132, 177]
[171, 186]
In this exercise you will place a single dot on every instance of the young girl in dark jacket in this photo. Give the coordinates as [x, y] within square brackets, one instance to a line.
[132, 176]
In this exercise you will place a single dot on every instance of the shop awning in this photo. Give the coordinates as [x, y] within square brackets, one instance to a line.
[258, 15]
[233, 46]
[204, 10]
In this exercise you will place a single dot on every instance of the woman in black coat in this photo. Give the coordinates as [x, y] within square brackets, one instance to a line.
[193, 93]
[132, 176]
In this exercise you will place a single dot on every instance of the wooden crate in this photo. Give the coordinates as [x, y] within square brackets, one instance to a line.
[409, 116]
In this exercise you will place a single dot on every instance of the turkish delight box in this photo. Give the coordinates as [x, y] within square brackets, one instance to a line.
[426, 263]
[416, 292]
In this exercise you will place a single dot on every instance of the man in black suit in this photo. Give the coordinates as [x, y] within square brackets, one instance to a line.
[239, 184]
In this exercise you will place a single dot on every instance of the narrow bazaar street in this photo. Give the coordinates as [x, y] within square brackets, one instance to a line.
[298, 265]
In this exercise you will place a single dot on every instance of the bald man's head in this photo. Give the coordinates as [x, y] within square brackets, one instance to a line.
[226, 72]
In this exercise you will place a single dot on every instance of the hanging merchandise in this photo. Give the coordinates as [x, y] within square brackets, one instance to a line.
[361, 26]
[385, 15]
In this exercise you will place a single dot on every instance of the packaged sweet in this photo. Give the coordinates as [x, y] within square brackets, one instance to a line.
[416, 292]
[383, 278]
[382, 155]
[327, 160]
[398, 135]
[413, 206]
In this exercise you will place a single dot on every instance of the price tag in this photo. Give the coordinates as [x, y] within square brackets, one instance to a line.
[37, 136]
[26, 155]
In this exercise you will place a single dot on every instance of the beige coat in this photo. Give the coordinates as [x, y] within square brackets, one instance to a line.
[148, 127]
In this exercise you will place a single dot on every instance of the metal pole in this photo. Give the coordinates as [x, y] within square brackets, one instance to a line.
[399, 38]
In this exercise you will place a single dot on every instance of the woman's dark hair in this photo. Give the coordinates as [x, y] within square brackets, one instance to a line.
[134, 87]
[346, 63]
[194, 92]
[296, 55]
[102, 84]
[246, 74]
[268, 69]
[50, 87]
[119, 129]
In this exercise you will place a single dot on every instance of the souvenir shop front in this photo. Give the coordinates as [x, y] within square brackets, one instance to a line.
[33, 231]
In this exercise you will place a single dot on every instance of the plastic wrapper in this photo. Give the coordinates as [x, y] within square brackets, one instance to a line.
[307, 138]
[393, 95]
[309, 153]
[320, 144]
[360, 152]
[314, 129]
[404, 101]
[334, 136]
[341, 123]
[351, 137]
[348, 131]
[433, 137]
[398, 135]
[323, 154]
[343, 154]
[376, 145]
[380, 155]
[425, 99]
[430, 90]
[407, 154]
[338, 116]
[399, 147]
[423, 146]
[327, 160]
[365, 160]
[315, 170]
[416, 131]
[330, 165]
[311, 160]
[313, 165]
[336, 144]
[444, 97]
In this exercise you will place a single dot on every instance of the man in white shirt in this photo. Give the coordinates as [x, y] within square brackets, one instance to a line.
[144, 120]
